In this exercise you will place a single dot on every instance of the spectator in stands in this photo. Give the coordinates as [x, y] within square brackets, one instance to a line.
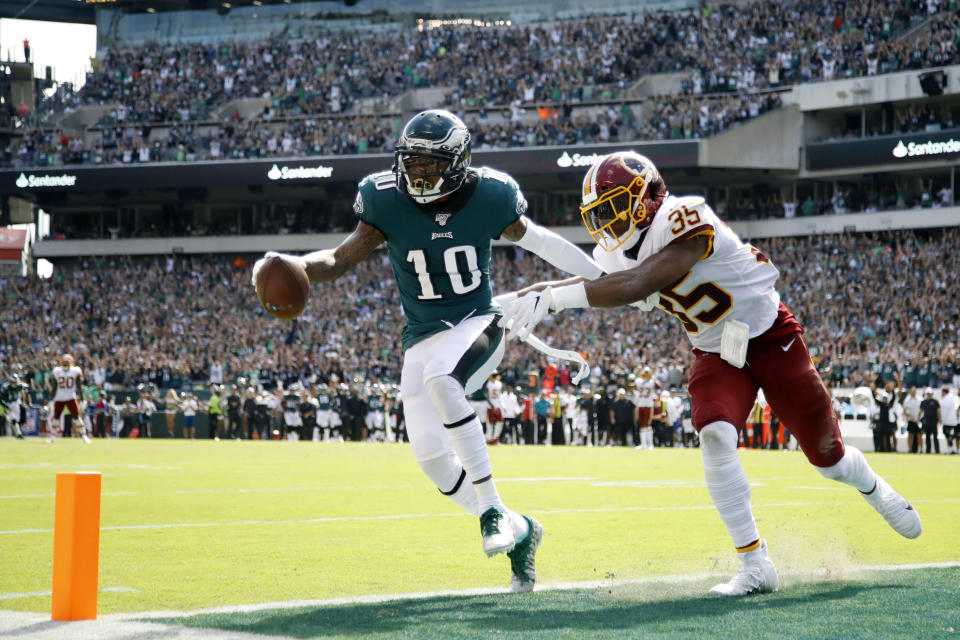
[930, 419]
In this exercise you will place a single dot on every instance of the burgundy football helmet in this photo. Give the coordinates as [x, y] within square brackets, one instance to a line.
[621, 193]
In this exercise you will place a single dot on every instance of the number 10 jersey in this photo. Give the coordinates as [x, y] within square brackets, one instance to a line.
[440, 254]
[732, 281]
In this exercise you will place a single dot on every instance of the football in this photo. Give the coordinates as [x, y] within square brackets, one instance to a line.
[283, 287]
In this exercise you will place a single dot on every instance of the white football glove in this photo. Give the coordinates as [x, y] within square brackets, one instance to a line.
[273, 254]
[649, 303]
[525, 314]
[507, 302]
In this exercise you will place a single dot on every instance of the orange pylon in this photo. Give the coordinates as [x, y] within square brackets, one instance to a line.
[76, 546]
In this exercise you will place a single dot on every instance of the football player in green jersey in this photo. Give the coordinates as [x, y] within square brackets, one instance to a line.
[438, 217]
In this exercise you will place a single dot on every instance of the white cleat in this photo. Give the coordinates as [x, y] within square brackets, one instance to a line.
[50, 440]
[498, 536]
[894, 508]
[86, 439]
[756, 575]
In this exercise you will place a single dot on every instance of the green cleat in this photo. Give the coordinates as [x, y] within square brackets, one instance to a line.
[523, 558]
[497, 532]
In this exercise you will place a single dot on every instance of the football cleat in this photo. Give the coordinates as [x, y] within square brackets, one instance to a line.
[523, 558]
[497, 532]
[894, 508]
[756, 575]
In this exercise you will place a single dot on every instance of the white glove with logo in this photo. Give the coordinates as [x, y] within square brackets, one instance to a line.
[522, 316]
[273, 254]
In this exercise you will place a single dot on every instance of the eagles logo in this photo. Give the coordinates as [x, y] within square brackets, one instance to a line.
[358, 204]
[442, 218]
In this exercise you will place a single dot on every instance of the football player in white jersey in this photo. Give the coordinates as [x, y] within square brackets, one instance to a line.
[67, 378]
[495, 410]
[676, 254]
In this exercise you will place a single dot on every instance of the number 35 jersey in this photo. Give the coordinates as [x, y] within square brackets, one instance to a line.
[732, 281]
[440, 255]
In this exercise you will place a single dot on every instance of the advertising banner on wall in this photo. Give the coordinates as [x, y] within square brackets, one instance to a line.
[306, 170]
[890, 150]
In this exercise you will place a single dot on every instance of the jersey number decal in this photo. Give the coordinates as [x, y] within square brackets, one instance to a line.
[65, 383]
[419, 259]
[681, 218]
[722, 303]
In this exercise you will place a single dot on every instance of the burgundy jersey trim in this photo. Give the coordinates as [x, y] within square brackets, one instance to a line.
[689, 233]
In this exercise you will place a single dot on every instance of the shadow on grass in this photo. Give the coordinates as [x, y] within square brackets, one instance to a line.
[585, 613]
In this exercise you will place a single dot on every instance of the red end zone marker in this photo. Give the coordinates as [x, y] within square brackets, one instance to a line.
[76, 546]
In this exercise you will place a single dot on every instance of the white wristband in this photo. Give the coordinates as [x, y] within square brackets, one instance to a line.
[570, 296]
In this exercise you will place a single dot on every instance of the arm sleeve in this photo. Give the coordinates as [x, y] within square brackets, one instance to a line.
[558, 251]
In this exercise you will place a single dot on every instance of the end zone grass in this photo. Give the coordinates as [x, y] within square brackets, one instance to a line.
[191, 525]
[909, 604]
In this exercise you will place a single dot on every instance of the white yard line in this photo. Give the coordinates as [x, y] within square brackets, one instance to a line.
[41, 594]
[281, 489]
[406, 516]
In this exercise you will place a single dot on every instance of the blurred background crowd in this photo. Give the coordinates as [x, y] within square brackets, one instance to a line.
[568, 81]
[877, 308]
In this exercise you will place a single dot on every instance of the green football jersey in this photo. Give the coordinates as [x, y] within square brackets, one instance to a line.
[323, 401]
[440, 254]
[375, 402]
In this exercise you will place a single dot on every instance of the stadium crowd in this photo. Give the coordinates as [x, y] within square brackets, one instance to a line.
[574, 60]
[734, 50]
[867, 301]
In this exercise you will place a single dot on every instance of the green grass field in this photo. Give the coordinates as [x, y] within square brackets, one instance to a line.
[196, 525]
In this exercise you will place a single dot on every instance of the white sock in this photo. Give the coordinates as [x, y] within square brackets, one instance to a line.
[727, 482]
[852, 469]
[487, 496]
[520, 525]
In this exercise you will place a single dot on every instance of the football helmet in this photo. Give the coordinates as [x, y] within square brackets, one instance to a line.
[621, 193]
[66, 360]
[432, 156]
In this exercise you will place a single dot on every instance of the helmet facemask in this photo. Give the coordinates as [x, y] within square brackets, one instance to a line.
[428, 175]
[612, 218]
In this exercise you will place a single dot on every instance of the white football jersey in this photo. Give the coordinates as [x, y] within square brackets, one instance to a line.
[733, 281]
[68, 379]
[645, 390]
[494, 388]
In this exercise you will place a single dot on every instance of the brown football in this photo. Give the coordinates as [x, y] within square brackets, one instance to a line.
[283, 287]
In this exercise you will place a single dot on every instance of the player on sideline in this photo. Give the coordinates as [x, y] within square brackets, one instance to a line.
[674, 252]
[438, 216]
[67, 378]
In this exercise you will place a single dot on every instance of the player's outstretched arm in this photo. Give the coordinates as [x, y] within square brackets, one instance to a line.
[552, 247]
[330, 264]
[611, 290]
[653, 274]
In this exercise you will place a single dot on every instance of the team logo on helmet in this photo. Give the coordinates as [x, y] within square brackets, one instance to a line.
[615, 199]
[433, 155]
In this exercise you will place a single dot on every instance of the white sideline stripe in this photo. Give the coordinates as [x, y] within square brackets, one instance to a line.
[51, 495]
[553, 586]
[278, 489]
[405, 516]
[40, 594]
